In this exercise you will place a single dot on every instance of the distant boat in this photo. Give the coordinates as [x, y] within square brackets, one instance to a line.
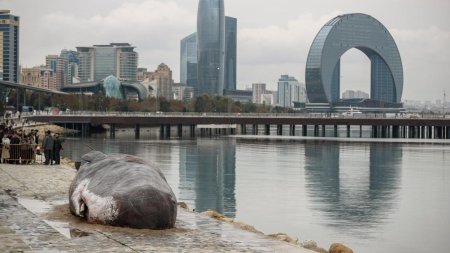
[352, 112]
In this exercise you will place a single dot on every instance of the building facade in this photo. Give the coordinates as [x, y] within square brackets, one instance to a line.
[230, 53]
[163, 77]
[100, 61]
[39, 76]
[364, 33]
[9, 46]
[188, 61]
[60, 67]
[73, 61]
[211, 47]
[350, 94]
[290, 91]
[259, 89]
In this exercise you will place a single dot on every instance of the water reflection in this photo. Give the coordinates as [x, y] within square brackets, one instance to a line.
[348, 191]
[207, 175]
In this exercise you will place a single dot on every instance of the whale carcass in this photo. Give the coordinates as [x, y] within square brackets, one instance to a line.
[122, 190]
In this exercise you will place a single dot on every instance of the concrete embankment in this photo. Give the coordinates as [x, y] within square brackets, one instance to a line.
[34, 217]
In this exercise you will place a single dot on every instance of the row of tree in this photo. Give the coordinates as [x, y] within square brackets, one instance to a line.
[78, 102]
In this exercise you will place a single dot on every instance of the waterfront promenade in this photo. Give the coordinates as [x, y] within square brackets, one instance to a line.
[34, 217]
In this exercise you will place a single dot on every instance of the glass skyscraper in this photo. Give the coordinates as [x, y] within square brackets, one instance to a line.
[188, 60]
[339, 35]
[230, 53]
[211, 47]
[9, 46]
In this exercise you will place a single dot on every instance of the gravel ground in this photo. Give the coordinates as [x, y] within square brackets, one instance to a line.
[34, 217]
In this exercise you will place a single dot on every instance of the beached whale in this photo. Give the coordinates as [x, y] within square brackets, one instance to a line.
[122, 190]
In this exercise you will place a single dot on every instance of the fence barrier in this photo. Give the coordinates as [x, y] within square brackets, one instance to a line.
[21, 153]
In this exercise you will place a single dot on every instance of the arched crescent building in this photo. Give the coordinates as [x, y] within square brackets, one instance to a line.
[341, 34]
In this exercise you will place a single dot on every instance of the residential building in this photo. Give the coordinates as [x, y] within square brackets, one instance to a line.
[290, 91]
[141, 74]
[9, 46]
[182, 92]
[86, 67]
[163, 77]
[60, 67]
[350, 94]
[258, 90]
[39, 76]
[73, 61]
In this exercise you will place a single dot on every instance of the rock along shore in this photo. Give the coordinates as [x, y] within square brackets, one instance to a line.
[34, 217]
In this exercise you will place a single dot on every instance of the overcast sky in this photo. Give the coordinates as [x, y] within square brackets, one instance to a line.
[274, 36]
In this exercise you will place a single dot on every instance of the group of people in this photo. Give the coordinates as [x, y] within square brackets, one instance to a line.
[21, 147]
[52, 146]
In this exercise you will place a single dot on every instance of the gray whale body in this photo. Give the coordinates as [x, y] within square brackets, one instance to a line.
[122, 190]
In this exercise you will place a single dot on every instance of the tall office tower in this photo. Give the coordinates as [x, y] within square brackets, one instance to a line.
[211, 47]
[188, 61]
[100, 61]
[164, 81]
[230, 53]
[9, 46]
[258, 89]
[290, 91]
[60, 67]
[86, 67]
[73, 61]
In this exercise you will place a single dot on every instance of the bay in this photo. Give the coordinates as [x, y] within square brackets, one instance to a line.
[373, 197]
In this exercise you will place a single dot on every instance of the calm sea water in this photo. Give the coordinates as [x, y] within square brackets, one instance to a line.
[373, 197]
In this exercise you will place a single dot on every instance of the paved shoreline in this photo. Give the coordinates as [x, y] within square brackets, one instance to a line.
[27, 224]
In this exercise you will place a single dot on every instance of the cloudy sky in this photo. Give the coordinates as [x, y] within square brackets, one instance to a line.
[274, 36]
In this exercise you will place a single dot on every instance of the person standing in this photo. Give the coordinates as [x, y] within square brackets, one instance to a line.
[5, 149]
[47, 146]
[57, 147]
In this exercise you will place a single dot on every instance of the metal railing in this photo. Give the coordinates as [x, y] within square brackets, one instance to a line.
[21, 153]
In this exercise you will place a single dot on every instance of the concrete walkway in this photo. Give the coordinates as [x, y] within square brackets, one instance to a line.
[34, 217]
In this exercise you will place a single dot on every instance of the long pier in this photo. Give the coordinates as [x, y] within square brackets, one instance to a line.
[395, 127]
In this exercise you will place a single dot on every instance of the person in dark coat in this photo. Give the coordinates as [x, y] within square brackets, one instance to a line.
[57, 147]
[47, 146]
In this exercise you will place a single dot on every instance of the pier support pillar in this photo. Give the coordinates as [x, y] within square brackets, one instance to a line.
[335, 131]
[360, 131]
[316, 131]
[137, 131]
[292, 130]
[192, 130]
[383, 132]
[180, 131]
[167, 131]
[305, 130]
[255, 129]
[448, 132]
[348, 131]
[243, 129]
[279, 130]
[323, 131]
[438, 132]
[395, 132]
[112, 131]
[374, 131]
[267, 130]
[161, 131]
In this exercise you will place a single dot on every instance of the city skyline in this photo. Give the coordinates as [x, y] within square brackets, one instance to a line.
[268, 47]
